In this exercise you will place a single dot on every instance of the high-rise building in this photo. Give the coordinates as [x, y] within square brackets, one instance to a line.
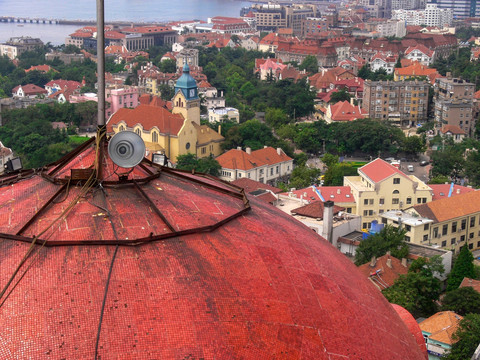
[453, 101]
[405, 103]
[461, 8]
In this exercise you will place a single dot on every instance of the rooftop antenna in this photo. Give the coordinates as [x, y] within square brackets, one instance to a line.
[101, 128]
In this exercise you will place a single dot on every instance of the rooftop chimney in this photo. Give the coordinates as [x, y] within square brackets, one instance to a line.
[389, 262]
[327, 231]
[404, 262]
[239, 148]
[248, 150]
[373, 262]
[279, 151]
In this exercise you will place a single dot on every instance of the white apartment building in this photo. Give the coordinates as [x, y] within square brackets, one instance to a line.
[431, 16]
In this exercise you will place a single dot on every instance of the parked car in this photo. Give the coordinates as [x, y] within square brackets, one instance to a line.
[410, 168]
[424, 163]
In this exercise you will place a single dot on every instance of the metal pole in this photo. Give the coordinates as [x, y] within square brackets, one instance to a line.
[101, 87]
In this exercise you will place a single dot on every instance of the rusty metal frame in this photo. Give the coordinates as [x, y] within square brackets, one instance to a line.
[154, 207]
[49, 201]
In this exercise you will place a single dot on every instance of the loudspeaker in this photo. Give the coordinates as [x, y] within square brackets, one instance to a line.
[126, 149]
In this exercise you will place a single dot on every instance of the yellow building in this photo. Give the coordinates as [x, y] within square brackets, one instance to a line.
[381, 187]
[449, 223]
[171, 133]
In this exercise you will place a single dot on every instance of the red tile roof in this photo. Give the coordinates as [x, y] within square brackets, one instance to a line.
[416, 69]
[379, 170]
[413, 326]
[250, 185]
[453, 129]
[258, 285]
[387, 274]
[344, 111]
[241, 160]
[467, 282]
[149, 117]
[41, 68]
[30, 89]
[64, 84]
[315, 210]
[441, 326]
[449, 208]
[440, 191]
[420, 47]
[338, 194]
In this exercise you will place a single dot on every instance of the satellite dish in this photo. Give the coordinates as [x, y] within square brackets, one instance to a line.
[126, 149]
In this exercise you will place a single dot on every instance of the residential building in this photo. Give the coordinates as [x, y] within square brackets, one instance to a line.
[432, 15]
[414, 71]
[267, 165]
[462, 9]
[223, 114]
[62, 85]
[453, 99]
[171, 133]
[453, 132]
[421, 54]
[271, 17]
[405, 103]
[416, 251]
[383, 61]
[343, 111]
[383, 272]
[66, 58]
[448, 223]
[258, 190]
[437, 331]
[16, 46]
[269, 69]
[28, 91]
[381, 187]
[441, 191]
[467, 282]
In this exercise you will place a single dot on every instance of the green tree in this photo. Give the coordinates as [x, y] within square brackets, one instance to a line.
[310, 64]
[166, 92]
[340, 95]
[168, 66]
[276, 117]
[472, 167]
[413, 145]
[440, 179]
[207, 165]
[330, 160]
[419, 289]
[462, 267]
[335, 174]
[303, 176]
[463, 301]
[388, 239]
[448, 162]
[467, 338]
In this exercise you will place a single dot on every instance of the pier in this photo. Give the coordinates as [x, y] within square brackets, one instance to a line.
[26, 20]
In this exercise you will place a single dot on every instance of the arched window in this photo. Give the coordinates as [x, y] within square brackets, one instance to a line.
[121, 128]
[138, 132]
[396, 192]
[154, 137]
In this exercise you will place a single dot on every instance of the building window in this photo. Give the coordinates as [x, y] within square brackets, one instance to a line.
[154, 137]
[396, 192]
[464, 224]
[349, 210]
[470, 246]
[444, 243]
[424, 200]
[138, 132]
[396, 180]
[435, 232]
[395, 201]
[271, 171]
[409, 200]
[408, 227]
[381, 201]
[444, 229]
[204, 150]
[425, 237]
[277, 169]
[425, 227]
[365, 201]
[462, 238]
[472, 221]
[452, 242]
[454, 227]
[470, 236]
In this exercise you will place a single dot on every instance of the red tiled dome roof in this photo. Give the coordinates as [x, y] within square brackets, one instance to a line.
[259, 286]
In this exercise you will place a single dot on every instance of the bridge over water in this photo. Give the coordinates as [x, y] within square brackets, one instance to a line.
[23, 20]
